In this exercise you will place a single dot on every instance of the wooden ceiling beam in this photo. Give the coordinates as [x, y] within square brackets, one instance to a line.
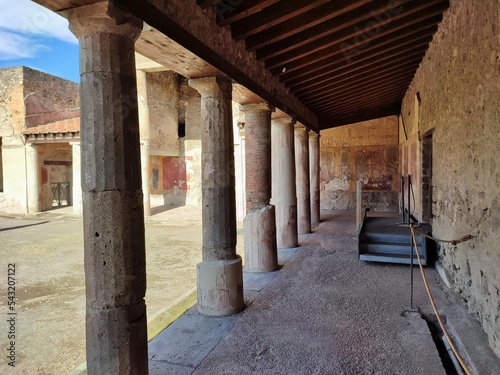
[359, 116]
[347, 37]
[302, 22]
[228, 14]
[390, 38]
[275, 14]
[365, 60]
[395, 90]
[358, 86]
[346, 21]
[334, 83]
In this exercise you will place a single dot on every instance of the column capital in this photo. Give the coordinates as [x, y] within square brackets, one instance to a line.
[254, 107]
[218, 87]
[283, 121]
[313, 134]
[103, 17]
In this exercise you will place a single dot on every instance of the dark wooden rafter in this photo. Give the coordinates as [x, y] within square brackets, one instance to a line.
[302, 22]
[379, 51]
[275, 14]
[347, 38]
[359, 116]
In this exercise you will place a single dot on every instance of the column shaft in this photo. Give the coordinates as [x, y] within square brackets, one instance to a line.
[314, 176]
[260, 222]
[113, 216]
[144, 134]
[32, 179]
[77, 178]
[220, 279]
[303, 192]
[284, 196]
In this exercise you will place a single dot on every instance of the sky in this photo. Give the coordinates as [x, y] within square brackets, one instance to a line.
[35, 37]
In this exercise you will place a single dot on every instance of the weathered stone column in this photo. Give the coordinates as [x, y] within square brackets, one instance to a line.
[77, 178]
[113, 216]
[302, 166]
[314, 176]
[220, 276]
[284, 196]
[32, 178]
[144, 134]
[260, 221]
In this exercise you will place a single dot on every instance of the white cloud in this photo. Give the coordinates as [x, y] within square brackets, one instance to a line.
[15, 46]
[28, 19]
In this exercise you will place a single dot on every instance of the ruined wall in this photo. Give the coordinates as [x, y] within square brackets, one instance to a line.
[366, 151]
[459, 89]
[49, 98]
[12, 114]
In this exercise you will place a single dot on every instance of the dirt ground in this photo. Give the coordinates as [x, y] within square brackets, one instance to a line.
[48, 253]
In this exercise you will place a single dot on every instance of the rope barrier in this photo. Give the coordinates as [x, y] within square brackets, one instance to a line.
[445, 332]
[453, 242]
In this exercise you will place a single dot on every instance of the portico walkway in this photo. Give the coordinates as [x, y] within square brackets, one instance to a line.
[323, 312]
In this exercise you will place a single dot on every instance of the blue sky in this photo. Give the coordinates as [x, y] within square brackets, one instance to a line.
[33, 36]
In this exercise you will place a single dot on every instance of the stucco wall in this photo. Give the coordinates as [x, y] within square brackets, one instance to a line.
[12, 114]
[366, 151]
[459, 89]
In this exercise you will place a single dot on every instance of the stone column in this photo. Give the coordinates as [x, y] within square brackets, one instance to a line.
[302, 167]
[113, 213]
[260, 221]
[314, 176]
[220, 276]
[284, 196]
[144, 134]
[32, 178]
[77, 178]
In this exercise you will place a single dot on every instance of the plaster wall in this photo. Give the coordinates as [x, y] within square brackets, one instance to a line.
[459, 89]
[12, 114]
[366, 151]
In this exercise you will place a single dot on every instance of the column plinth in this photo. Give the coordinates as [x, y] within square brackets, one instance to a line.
[284, 196]
[220, 279]
[113, 216]
[314, 176]
[302, 169]
[260, 221]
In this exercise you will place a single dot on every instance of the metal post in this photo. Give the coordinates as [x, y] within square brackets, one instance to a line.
[403, 199]
[409, 202]
[411, 272]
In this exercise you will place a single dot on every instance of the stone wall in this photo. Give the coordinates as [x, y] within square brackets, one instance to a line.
[455, 96]
[366, 151]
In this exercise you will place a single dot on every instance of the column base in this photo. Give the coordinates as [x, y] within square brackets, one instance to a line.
[286, 226]
[260, 240]
[220, 287]
[117, 340]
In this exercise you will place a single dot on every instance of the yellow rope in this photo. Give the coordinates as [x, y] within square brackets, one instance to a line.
[448, 338]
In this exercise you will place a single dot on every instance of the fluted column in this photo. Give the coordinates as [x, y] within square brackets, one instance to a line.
[144, 134]
[314, 176]
[220, 276]
[113, 216]
[260, 221]
[284, 196]
[302, 169]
